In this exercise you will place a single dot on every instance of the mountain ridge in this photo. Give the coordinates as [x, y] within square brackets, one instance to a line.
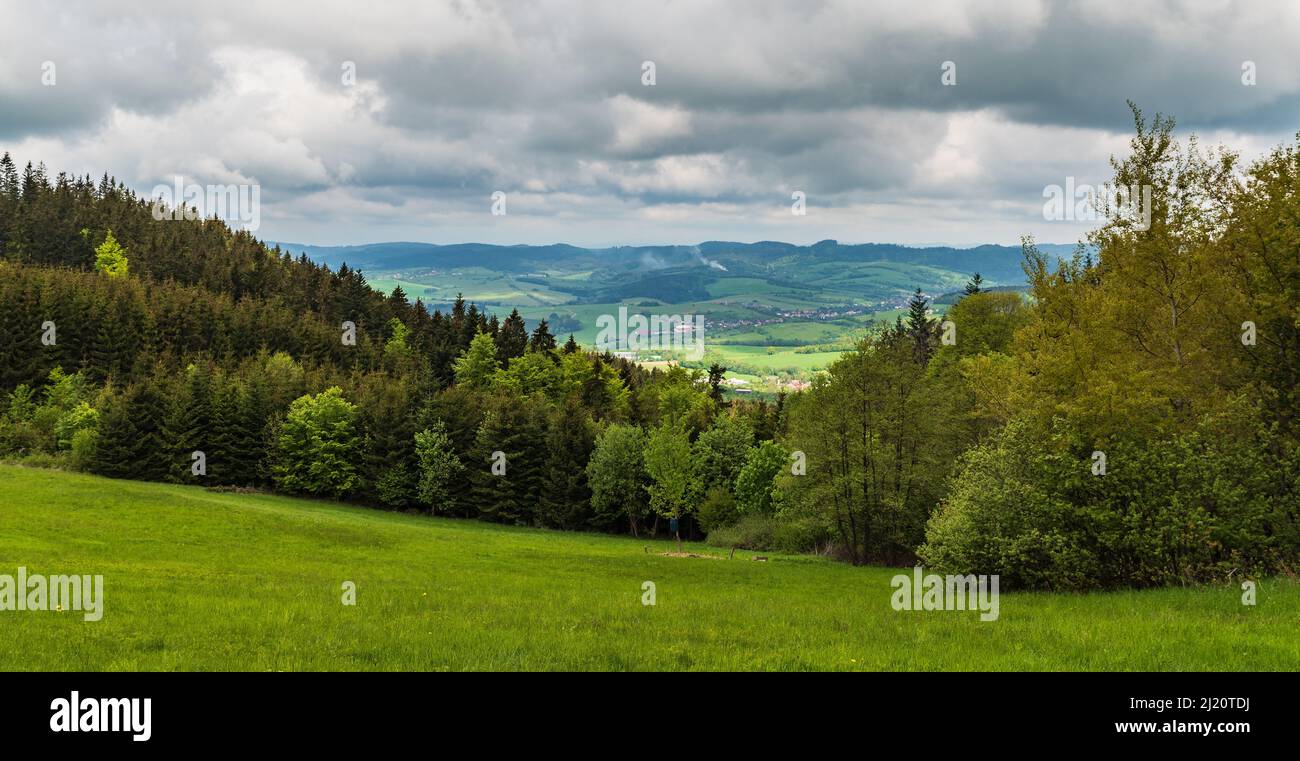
[994, 261]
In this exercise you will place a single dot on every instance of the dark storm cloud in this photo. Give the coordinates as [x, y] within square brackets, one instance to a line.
[99, 61]
[754, 99]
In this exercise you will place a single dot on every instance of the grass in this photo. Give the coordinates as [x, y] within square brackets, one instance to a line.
[198, 580]
[779, 358]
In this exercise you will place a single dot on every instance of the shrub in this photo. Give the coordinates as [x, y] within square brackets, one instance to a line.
[19, 437]
[83, 448]
[1193, 507]
[716, 510]
[75, 420]
[1002, 517]
[50, 460]
[792, 537]
[395, 487]
[751, 532]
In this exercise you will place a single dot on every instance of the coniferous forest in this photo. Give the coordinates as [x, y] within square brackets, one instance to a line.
[1130, 423]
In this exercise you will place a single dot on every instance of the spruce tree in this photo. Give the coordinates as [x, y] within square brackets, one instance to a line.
[565, 497]
[920, 328]
[541, 340]
[388, 427]
[716, 373]
[191, 424]
[116, 437]
[154, 449]
[505, 486]
[250, 436]
[225, 437]
[479, 364]
[512, 339]
[21, 328]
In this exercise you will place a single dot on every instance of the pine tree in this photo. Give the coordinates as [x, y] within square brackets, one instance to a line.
[249, 436]
[513, 428]
[512, 339]
[920, 328]
[110, 257]
[116, 436]
[470, 327]
[133, 440]
[153, 452]
[388, 426]
[479, 364]
[541, 340]
[223, 456]
[973, 286]
[21, 327]
[565, 497]
[191, 424]
[716, 374]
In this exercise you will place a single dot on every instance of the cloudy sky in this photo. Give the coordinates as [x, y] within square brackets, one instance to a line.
[545, 101]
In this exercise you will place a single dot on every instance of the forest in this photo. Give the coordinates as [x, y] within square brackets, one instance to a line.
[1131, 423]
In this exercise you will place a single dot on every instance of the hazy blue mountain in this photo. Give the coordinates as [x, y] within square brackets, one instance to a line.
[997, 263]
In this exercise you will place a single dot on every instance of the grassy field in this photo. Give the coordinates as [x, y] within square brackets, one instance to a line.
[201, 580]
[778, 358]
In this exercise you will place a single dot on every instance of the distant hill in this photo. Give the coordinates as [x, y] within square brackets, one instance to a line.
[744, 289]
[764, 258]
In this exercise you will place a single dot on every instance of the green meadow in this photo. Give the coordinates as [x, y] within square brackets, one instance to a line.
[777, 358]
[203, 580]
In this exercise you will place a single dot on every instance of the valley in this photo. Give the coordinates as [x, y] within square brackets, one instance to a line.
[776, 313]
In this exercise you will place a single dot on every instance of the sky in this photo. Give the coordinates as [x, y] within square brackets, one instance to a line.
[914, 123]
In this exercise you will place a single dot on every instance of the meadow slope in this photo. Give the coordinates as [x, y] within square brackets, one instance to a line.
[199, 580]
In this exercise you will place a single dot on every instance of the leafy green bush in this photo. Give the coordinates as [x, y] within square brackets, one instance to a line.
[717, 510]
[796, 536]
[395, 487]
[1196, 507]
[83, 448]
[50, 460]
[751, 532]
[765, 533]
[1002, 516]
[19, 437]
[75, 420]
